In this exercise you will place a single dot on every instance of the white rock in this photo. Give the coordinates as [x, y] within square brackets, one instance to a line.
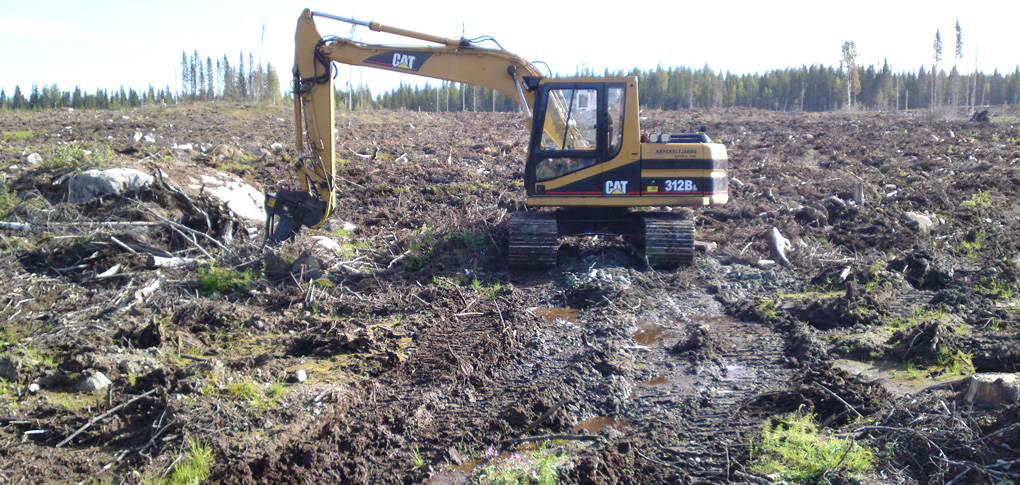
[92, 183]
[33, 388]
[33, 158]
[242, 199]
[301, 375]
[92, 381]
[327, 243]
[918, 221]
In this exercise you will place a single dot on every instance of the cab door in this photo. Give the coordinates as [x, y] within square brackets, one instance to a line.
[577, 128]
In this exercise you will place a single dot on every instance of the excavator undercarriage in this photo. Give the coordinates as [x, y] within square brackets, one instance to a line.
[666, 239]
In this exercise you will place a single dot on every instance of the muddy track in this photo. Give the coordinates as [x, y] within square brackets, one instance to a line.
[709, 365]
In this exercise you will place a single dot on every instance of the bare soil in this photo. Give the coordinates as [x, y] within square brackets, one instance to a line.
[421, 349]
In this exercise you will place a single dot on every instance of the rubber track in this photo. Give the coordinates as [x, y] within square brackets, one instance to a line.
[533, 240]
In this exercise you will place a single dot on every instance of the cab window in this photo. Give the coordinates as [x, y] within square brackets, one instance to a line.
[570, 125]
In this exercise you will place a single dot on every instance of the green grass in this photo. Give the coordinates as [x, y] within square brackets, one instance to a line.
[970, 247]
[792, 448]
[240, 169]
[417, 460]
[539, 466]
[193, 469]
[243, 390]
[11, 202]
[247, 390]
[421, 250]
[15, 135]
[998, 289]
[474, 242]
[224, 281]
[980, 199]
[766, 309]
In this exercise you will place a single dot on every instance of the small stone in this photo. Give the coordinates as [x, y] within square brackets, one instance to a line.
[33, 388]
[33, 158]
[92, 381]
[705, 247]
[300, 376]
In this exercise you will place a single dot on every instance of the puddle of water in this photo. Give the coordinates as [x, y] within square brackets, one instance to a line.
[712, 319]
[551, 315]
[593, 425]
[656, 381]
[648, 334]
[737, 372]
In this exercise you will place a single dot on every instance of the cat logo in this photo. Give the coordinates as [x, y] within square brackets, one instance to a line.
[616, 187]
[403, 60]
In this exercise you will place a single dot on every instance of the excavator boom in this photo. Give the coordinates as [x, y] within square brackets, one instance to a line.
[452, 59]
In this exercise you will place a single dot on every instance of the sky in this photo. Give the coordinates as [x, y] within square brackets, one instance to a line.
[107, 44]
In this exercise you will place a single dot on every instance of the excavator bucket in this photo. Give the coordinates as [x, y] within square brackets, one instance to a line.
[288, 210]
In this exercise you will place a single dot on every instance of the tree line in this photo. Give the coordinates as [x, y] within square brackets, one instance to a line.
[206, 80]
[808, 88]
[201, 80]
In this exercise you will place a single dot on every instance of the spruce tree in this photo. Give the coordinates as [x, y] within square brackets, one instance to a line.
[937, 58]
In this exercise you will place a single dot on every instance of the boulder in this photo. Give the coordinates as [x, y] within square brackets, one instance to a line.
[115, 181]
[917, 221]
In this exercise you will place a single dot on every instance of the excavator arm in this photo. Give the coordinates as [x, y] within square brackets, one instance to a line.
[451, 59]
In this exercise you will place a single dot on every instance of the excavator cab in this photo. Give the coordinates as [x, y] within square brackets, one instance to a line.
[577, 130]
[588, 158]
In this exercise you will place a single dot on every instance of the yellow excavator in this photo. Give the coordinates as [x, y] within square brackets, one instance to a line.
[587, 157]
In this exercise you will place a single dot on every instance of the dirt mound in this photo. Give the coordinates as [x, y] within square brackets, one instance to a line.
[832, 395]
